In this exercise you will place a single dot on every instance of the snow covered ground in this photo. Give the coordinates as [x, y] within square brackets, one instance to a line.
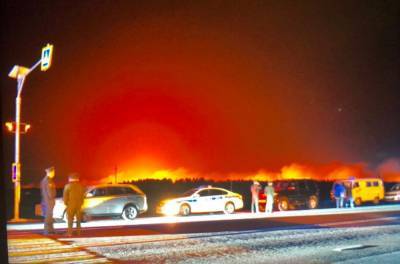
[345, 236]
[295, 245]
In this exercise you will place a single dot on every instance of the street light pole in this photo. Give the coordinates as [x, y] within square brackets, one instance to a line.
[17, 183]
[19, 73]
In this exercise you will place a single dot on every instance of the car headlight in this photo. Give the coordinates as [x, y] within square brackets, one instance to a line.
[170, 207]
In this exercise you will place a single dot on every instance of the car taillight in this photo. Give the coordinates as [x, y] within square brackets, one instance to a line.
[291, 188]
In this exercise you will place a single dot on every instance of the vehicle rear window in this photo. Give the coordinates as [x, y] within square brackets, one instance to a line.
[376, 183]
[356, 185]
[369, 184]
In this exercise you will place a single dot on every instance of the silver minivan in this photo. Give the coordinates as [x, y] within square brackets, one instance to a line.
[122, 200]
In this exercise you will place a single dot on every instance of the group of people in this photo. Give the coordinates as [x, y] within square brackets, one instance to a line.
[343, 195]
[73, 196]
[74, 193]
[269, 196]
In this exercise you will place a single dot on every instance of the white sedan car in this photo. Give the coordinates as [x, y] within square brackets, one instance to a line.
[202, 200]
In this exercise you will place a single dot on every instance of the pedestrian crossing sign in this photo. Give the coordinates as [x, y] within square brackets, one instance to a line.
[47, 53]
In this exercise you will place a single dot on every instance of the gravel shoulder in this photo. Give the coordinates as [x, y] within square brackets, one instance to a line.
[296, 245]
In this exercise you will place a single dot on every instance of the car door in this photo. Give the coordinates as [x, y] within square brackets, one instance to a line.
[95, 201]
[203, 202]
[217, 199]
[295, 195]
[118, 199]
[303, 192]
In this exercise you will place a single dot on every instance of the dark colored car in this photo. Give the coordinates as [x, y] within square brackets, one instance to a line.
[290, 194]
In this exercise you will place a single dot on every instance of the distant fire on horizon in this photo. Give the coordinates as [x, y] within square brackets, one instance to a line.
[389, 171]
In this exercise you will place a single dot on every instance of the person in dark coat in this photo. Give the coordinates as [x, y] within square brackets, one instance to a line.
[349, 194]
[48, 193]
[73, 196]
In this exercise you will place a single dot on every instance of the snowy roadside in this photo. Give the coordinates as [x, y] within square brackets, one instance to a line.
[314, 245]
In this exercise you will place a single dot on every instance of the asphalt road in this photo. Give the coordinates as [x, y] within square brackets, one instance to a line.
[357, 235]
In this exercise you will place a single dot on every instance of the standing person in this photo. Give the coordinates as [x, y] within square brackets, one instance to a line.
[269, 195]
[349, 194]
[48, 192]
[339, 192]
[73, 196]
[255, 190]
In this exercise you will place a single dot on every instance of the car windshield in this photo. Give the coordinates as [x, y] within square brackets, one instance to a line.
[396, 188]
[283, 185]
[190, 192]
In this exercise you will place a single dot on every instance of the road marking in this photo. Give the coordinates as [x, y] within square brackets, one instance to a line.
[45, 250]
[352, 247]
[97, 260]
[385, 219]
[105, 241]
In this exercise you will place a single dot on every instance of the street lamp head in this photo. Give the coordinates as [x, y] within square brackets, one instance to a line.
[18, 72]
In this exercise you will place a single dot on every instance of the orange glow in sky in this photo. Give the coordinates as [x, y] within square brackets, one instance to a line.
[328, 172]
[236, 91]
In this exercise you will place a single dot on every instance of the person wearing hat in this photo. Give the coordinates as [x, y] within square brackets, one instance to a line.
[255, 191]
[48, 192]
[73, 196]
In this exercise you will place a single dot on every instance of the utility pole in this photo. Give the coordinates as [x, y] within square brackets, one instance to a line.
[115, 174]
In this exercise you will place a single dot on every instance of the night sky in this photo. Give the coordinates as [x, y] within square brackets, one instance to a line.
[209, 87]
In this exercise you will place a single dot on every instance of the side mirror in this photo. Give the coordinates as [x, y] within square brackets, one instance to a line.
[88, 195]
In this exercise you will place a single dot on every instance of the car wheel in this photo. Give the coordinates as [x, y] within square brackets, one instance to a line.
[229, 208]
[283, 204]
[312, 202]
[358, 201]
[130, 212]
[184, 210]
[376, 200]
[85, 218]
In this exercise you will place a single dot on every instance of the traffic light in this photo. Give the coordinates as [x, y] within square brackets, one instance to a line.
[23, 127]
